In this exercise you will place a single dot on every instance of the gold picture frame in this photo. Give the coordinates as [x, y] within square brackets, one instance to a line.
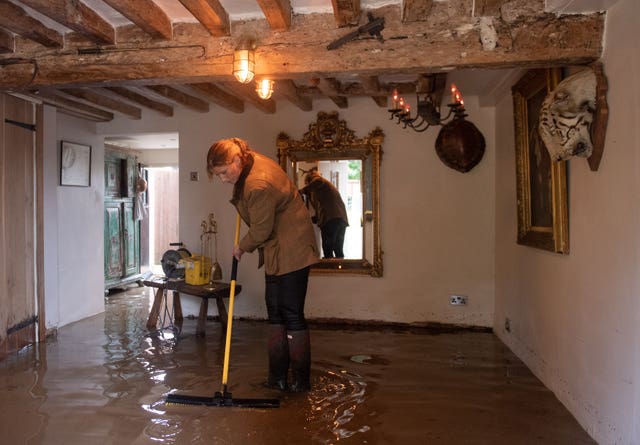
[541, 184]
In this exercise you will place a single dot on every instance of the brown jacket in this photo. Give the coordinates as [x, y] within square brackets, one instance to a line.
[279, 224]
[326, 201]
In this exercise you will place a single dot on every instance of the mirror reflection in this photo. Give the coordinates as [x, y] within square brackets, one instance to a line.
[338, 176]
[332, 191]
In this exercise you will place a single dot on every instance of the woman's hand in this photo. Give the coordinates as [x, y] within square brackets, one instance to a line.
[237, 252]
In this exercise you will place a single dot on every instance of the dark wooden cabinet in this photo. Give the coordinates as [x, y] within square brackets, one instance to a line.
[121, 229]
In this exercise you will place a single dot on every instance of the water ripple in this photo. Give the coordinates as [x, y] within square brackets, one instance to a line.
[334, 402]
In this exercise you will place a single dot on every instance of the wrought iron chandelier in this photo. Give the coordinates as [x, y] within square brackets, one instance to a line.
[428, 113]
[459, 145]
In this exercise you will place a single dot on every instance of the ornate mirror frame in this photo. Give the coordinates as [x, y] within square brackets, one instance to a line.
[329, 138]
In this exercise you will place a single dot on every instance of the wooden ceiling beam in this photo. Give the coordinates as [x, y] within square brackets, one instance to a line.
[218, 96]
[248, 93]
[371, 85]
[331, 88]
[16, 19]
[146, 15]
[211, 14]
[416, 10]
[179, 97]
[142, 100]
[103, 101]
[288, 89]
[54, 98]
[7, 42]
[549, 40]
[346, 12]
[277, 12]
[77, 16]
[488, 8]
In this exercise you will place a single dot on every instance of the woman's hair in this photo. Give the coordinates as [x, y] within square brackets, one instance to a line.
[223, 151]
[311, 175]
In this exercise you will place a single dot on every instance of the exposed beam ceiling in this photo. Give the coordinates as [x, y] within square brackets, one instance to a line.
[161, 54]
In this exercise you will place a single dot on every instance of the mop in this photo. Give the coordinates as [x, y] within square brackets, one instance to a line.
[223, 397]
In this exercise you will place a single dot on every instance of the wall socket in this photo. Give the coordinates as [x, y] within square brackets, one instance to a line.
[194, 176]
[458, 300]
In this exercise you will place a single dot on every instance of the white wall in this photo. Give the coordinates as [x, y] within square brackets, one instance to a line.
[79, 219]
[437, 224]
[575, 319]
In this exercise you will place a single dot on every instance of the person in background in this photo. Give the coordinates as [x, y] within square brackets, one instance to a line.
[330, 213]
[281, 230]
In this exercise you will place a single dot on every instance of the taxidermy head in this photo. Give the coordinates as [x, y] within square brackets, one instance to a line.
[566, 116]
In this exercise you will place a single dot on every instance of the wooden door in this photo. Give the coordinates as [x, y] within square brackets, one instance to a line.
[131, 240]
[113, 250]
[17, 224]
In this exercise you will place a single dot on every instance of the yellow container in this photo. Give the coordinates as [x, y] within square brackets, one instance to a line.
[197, 270]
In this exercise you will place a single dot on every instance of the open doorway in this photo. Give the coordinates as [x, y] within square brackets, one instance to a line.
[156, 155]
[162, 210]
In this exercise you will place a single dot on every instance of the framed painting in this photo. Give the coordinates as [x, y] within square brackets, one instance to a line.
[75, 164]
[541, 183]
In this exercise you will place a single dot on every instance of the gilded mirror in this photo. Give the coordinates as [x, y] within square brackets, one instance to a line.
[352, 166]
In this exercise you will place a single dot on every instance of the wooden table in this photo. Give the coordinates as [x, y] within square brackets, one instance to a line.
[217, 290]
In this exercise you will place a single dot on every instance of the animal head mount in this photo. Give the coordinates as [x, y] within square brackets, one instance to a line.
[566, 116]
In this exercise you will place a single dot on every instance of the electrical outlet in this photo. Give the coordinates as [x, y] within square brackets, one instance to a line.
[194, 176]
[507, 324]
[458, 300]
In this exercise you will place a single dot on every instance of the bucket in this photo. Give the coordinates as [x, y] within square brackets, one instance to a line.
[197, 270]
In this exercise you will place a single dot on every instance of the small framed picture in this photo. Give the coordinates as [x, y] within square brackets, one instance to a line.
[75, 164]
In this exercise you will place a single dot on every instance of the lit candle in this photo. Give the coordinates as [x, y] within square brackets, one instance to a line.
[401, 103]
[407, 109]
[454, 92]
[458, 98]
[462, 103]
[395, 99]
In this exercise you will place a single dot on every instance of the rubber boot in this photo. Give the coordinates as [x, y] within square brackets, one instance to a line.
[278, 348]
[300, 359]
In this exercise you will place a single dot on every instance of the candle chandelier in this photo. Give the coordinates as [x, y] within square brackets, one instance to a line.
[428, 114]
[459, 145]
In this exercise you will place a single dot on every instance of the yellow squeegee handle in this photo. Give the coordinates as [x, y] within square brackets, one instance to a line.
[232, 293]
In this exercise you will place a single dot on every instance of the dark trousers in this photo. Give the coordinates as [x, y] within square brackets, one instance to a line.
[333, 238]
[284, 296]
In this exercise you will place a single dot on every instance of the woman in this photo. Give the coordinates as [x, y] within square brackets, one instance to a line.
[280, 228]
[330, 213]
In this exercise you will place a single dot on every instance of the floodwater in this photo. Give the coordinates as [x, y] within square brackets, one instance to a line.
[104, 380]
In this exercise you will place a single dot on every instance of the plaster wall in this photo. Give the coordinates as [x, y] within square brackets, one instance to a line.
[80, 229]
[575, 318]
[437, 229]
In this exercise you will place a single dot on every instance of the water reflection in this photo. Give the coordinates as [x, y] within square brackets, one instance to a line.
[104, 381]
[335, 398]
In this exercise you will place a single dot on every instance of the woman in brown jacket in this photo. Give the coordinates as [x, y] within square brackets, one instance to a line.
[330, 213]
[280, 228]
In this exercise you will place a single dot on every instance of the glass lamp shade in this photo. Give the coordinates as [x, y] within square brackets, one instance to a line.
[264, 88]
[244, 63]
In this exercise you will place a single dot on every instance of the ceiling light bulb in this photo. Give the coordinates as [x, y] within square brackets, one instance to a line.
[244, 65]
[264, 88]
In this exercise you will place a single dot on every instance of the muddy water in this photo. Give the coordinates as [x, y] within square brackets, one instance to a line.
[104, 381]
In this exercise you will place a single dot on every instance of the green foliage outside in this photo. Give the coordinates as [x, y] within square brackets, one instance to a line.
[355, 169]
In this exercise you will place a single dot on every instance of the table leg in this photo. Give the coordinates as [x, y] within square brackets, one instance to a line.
[177, 307]
[155, 310]
[222, 313]
[202, 317]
